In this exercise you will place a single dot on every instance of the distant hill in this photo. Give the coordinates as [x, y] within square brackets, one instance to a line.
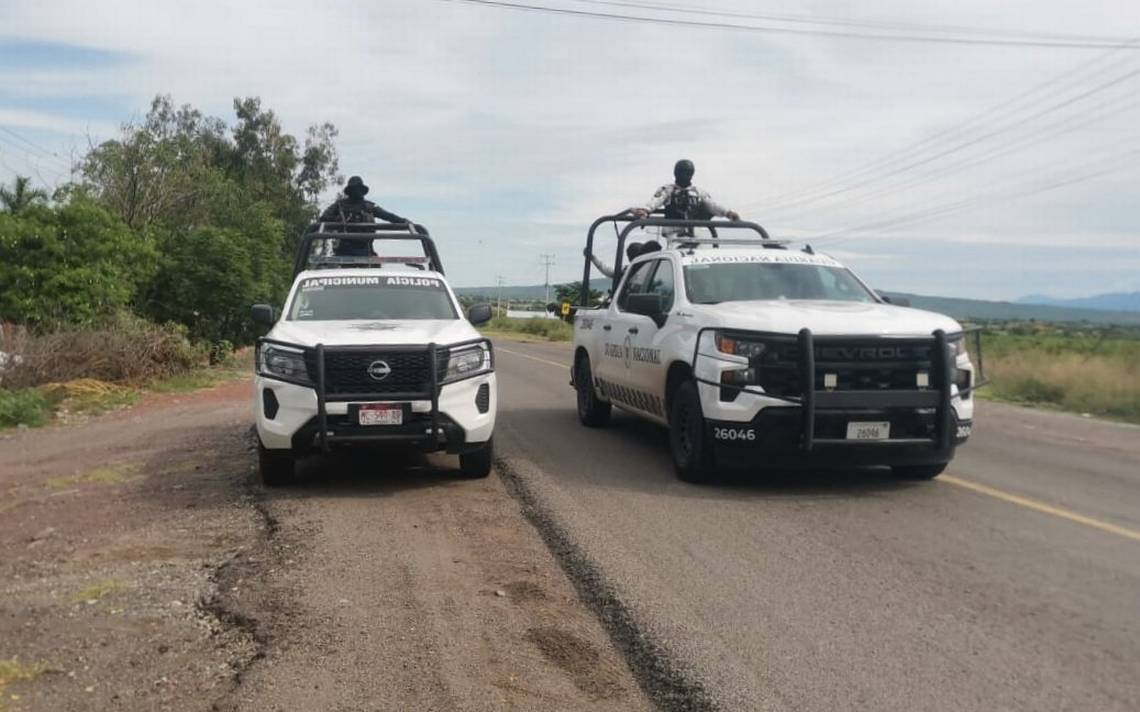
[979, 309]
[976, 309]
[1118, 301]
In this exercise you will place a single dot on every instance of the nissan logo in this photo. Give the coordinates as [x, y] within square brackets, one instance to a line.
[379, 370]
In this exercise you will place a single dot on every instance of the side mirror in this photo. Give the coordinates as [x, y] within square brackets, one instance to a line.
[263, 314]
[897, 301]
[479, 314]
[650, 305]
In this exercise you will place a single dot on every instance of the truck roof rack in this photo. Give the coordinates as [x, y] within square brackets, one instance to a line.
[315, 249]
[632, 222]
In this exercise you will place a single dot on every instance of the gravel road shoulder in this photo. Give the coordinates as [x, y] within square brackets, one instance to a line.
[144, 569]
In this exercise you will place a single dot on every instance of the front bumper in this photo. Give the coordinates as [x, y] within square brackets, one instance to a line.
[809, 426]
[461, 424]
[774, 438]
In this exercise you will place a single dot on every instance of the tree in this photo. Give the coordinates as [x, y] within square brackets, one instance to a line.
[21, 196]
[572, 292]
[70, 264]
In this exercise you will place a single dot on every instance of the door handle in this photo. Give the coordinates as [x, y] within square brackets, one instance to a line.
[607, 327]
[633, 329]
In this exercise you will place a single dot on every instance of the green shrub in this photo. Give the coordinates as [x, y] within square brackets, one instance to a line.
[69, 264]
[25, 406]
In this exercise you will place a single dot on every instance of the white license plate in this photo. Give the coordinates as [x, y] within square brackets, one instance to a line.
[381, 414]
[868, 431]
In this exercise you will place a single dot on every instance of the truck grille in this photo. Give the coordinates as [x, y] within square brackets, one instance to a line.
[858, 365]
[347, 372]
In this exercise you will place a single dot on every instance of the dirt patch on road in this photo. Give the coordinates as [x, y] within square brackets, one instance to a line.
[145, 569]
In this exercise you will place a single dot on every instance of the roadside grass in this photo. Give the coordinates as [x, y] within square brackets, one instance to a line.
[27, 406]
[12, 671]
[111, 475]
[1078, 369]
[37, 406]
[97, 591]
[543, 329]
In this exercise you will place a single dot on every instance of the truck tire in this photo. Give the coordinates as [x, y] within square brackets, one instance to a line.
[592, 412]
[477, 463]
[693, 456]
[277, 467]
[919, 472]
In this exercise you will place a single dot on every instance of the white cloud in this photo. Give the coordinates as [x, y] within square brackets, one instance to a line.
[509, 132]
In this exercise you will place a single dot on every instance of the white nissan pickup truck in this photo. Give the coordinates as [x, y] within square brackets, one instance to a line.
[757, 355]
[372, 350]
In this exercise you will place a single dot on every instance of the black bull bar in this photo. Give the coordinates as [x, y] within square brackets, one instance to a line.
[430, 392]
[937, 396]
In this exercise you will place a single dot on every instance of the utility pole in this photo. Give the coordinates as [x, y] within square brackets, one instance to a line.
[499, 280]
[547, 262]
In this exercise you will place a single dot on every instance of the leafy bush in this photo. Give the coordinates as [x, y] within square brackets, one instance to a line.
[127, 349]
[26, 406]
[209, 278]
[69, 264]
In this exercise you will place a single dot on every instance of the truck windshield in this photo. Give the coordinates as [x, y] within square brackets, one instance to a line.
[370, 297]
[747, 281]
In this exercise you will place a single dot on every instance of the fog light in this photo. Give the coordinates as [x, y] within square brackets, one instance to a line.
[269, 403]
[830, 380]
[922, 379]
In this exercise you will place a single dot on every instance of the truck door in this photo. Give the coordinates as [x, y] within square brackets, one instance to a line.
[616, 354]
[647, 361]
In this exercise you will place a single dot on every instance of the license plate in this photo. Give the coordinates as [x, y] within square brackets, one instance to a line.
[868, 431]
[381, 414]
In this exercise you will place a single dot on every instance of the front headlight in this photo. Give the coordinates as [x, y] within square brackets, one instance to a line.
[957, 346]
[728, 344]
[467, 361]
[284, 362]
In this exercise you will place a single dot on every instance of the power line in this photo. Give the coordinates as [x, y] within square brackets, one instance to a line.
[1059, 179]
[843, 22]
[716, 25]
[46, 153]
[1053, 130]
[1056, 86]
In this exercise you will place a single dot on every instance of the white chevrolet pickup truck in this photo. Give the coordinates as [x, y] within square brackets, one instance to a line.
[372, 351]
[757, 355]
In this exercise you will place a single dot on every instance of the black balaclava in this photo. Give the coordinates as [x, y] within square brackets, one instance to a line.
[683, 172]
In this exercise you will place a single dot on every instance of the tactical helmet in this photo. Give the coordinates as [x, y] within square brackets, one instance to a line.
[683, 170]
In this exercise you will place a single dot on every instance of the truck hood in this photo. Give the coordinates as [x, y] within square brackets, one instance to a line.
[824, 318]
[380, 333]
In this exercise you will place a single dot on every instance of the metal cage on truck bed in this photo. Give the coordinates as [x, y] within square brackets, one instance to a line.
[314, 251]
[633, 222]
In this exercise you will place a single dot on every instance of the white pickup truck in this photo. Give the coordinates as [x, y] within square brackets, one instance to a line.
[372, 351]
[757, 355]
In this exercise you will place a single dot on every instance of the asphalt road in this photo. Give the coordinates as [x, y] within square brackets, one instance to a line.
[1012, 582]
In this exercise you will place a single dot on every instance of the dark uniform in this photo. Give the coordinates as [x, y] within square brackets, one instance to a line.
[353, 208]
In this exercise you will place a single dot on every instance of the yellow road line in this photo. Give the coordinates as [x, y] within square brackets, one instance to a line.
[1042, 507]
[1020, 501]
[532, 358]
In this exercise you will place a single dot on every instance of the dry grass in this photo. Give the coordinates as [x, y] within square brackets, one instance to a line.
[127, 350]
[1106, 385]
[546, 329]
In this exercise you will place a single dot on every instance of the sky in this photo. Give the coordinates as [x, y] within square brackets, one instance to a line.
[955, 169]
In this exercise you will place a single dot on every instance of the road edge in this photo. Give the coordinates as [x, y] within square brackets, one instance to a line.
[667, 684]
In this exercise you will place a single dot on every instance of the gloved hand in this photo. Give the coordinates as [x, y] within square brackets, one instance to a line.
[732, 215]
